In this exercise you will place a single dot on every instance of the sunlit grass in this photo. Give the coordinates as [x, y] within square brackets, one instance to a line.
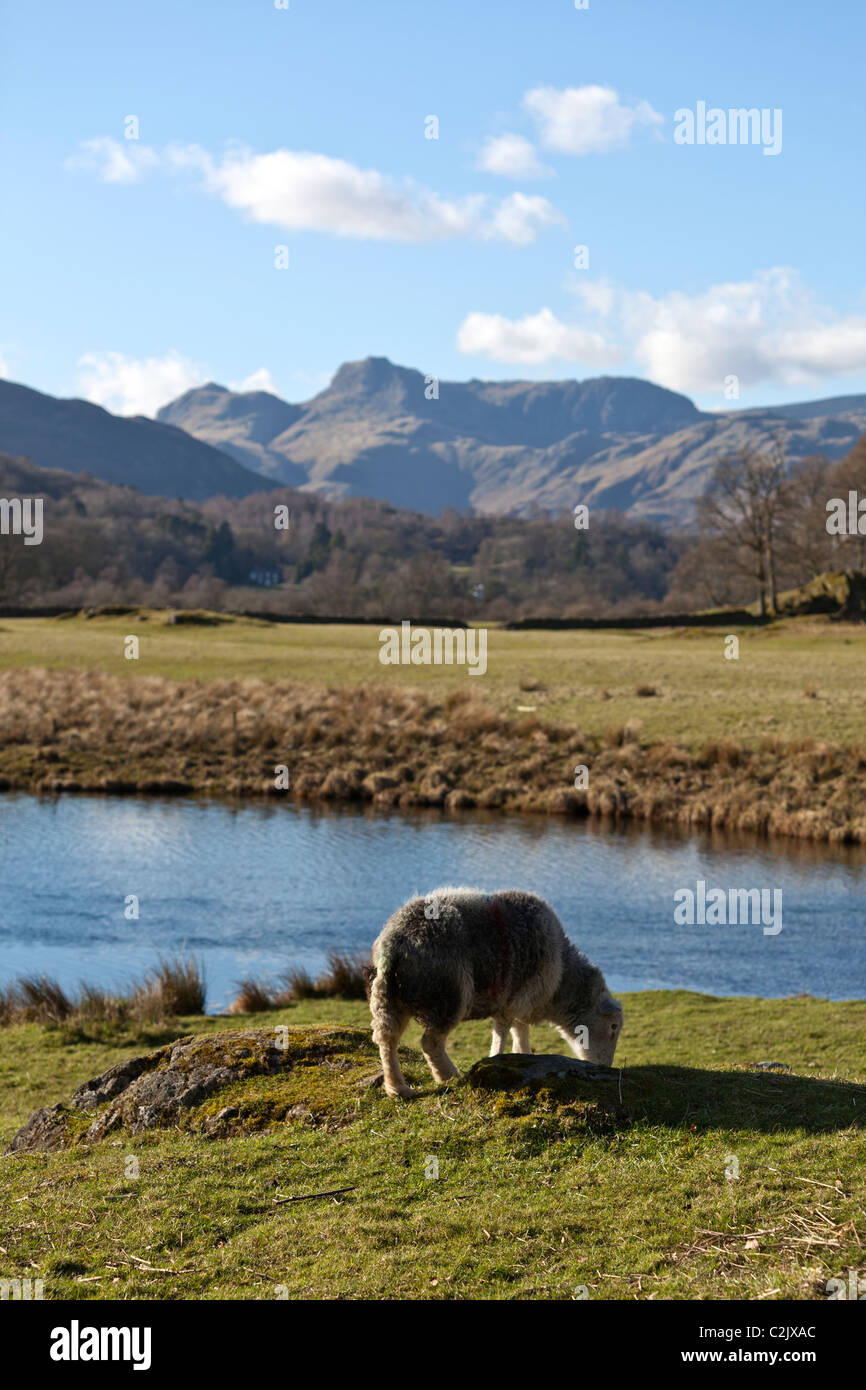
[528, 1204]
[701, 695]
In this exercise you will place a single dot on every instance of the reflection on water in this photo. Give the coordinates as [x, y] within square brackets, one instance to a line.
[251, 889]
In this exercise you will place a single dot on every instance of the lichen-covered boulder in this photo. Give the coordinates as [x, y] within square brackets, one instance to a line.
[227, 1083]
[43, 1132]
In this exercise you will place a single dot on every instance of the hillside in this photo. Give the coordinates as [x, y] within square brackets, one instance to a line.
[106, 544]
[613, 442]
[241, 424]
[155, 457]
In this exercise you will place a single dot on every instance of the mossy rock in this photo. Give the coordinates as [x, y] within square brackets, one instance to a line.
[840, 593]
[196, 617]
[219, 1084]
[516, 1070]
[552, 1097]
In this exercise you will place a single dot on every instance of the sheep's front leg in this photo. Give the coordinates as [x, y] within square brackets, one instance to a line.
[520, 1038]
[500, 1033]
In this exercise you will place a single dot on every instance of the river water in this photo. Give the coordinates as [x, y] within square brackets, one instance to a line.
[253, 889]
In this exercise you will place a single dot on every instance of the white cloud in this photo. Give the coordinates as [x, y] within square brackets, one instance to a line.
[518, 217]
[302, 191]
[587, 120]
[532, 340]
[114, 161]
[768, 329]
[312, 192]
[260, 380]
[127, 386]
[4, 368]
[513, 156]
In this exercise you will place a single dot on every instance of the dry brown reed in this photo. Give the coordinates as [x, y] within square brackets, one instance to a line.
[398, 746]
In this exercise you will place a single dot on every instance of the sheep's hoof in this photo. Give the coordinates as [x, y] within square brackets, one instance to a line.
[400, 1092]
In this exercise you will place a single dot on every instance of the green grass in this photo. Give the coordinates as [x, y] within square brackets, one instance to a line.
[701, 695]
[534, 1199]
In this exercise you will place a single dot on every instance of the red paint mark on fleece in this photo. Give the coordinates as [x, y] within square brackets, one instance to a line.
[504, 952]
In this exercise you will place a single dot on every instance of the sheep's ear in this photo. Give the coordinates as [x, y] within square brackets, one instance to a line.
[609, 1005]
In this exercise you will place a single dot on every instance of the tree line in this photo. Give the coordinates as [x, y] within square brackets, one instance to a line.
[759, 528]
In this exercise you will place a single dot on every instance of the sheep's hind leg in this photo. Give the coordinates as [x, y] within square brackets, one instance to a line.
[520, 1038]
[395, 1083]
[433, 1047]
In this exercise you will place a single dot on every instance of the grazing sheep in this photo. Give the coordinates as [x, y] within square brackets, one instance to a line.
[460, 953]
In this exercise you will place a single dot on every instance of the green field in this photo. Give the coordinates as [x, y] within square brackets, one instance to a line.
[793, 679]
[539, 1202]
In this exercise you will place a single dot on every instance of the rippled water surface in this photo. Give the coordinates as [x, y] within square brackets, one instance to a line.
[255, 889]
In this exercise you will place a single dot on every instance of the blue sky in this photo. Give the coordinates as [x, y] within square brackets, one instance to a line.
[136, 268]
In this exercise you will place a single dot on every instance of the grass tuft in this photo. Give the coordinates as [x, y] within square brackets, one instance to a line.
[174, 987]
[344, 978]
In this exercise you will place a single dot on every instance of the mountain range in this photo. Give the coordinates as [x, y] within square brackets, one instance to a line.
[389, 432]
[614, 442]
[80, 437]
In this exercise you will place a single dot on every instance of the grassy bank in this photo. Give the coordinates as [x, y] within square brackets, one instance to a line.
[67, 731]
[794, 679]
[535, 1198]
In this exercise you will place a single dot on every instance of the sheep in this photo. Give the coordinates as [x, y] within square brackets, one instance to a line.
[460, 953]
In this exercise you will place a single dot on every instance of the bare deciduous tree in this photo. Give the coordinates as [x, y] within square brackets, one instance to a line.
[744, 512]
